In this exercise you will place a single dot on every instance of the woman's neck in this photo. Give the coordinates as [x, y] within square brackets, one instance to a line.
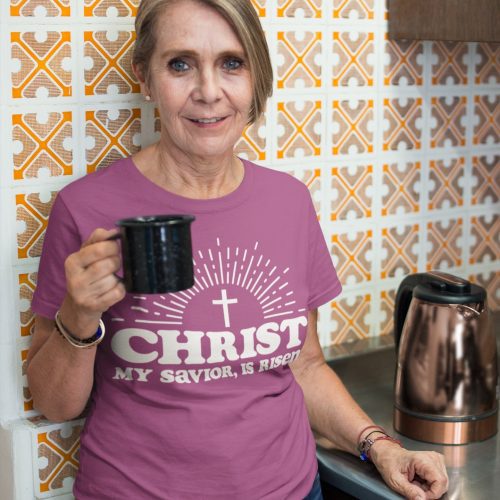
[198, 178]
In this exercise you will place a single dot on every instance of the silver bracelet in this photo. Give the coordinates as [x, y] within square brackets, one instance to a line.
[77, 342]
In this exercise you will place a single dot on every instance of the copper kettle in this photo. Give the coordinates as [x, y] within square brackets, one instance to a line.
[446, 385]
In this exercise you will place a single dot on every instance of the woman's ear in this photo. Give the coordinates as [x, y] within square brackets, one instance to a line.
[141, 78]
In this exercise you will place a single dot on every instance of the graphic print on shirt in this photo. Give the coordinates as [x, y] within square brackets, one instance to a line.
[242, 317]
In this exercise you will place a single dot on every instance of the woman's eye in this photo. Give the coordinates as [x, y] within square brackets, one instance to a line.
[233, 63]
[178, 65]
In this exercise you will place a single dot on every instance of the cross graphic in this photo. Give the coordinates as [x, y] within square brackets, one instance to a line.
[224, 301]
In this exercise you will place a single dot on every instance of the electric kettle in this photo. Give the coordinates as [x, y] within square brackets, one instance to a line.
[446, 384]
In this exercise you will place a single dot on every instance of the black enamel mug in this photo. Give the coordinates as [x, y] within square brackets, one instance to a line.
[157, 253]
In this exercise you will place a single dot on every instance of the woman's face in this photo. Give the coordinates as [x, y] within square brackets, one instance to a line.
[200, 80]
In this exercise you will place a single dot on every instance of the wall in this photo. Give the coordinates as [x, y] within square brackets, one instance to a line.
[398, 143]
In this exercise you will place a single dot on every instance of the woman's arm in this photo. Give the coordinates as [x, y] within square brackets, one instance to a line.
[332, 411]
[60, 375]
[334, 414]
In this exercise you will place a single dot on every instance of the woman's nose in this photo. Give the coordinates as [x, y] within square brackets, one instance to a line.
[208, 88]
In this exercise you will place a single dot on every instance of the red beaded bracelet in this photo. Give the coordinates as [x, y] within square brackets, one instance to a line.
[367, 443]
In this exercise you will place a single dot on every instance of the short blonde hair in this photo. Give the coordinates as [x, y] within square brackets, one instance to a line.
[241, 16]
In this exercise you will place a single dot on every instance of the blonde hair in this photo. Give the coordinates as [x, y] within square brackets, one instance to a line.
[241, 16]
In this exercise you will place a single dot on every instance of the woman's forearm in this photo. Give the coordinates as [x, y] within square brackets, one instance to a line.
[60, 378]
[332, 411]
[335, 415]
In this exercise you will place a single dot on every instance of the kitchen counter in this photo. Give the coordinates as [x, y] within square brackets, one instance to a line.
[473, 469]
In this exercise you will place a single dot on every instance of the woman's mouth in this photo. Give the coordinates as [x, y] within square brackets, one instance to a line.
[206, 121]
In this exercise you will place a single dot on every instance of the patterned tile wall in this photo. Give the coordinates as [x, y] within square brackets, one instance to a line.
[398, 143]
[57, 449]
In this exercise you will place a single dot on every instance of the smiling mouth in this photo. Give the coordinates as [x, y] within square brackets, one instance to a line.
[206, 120]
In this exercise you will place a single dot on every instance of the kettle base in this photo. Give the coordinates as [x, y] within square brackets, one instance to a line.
[445, 432]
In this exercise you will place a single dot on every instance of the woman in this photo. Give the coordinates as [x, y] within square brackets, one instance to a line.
[200, 394]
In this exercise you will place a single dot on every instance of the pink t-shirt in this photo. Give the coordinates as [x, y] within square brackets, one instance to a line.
[193, 395]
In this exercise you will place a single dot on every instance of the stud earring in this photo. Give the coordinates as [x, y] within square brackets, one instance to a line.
[148, 98]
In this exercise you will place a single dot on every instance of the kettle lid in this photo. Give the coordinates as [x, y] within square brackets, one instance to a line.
[445, 288]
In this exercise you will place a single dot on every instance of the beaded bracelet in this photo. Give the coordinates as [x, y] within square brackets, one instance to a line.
[77, 342]
[363, 443]
[367, 443]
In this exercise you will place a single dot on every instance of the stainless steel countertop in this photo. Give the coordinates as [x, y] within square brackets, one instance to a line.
[473, 469]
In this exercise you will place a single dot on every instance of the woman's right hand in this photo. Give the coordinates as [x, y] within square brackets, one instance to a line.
[92, 286]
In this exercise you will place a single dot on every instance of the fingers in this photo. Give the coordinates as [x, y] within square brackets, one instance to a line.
[99, 296]
[430, 468]
[416, 475]
[113, 295]
[100, 234]
[413, 492]
[104, 294]
[95, 248]
[103, 268]
[93, 252]
[90, 273]
[425, 476]
[421, 484]
[103, 285]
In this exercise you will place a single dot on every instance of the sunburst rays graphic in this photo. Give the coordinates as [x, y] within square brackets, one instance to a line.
[225, 266]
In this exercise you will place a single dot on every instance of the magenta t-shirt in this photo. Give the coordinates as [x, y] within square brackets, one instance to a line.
[193, 395]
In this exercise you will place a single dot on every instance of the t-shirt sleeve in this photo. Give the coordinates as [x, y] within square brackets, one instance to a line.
[324, 284]
[62, 238]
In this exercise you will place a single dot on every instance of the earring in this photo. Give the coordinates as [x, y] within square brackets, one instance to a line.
[147, 97]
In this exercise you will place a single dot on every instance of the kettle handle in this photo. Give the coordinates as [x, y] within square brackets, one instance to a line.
[403, 299]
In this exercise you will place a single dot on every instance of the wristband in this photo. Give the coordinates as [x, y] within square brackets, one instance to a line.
[77, 342]
[369, 427]
[374, 432]
[365, 446]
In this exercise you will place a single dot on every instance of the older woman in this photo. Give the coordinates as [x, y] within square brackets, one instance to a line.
[209, 393]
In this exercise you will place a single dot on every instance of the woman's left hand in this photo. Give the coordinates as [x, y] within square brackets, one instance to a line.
[416, 475]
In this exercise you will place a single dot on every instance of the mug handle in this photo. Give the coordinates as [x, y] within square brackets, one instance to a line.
[116, 236]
